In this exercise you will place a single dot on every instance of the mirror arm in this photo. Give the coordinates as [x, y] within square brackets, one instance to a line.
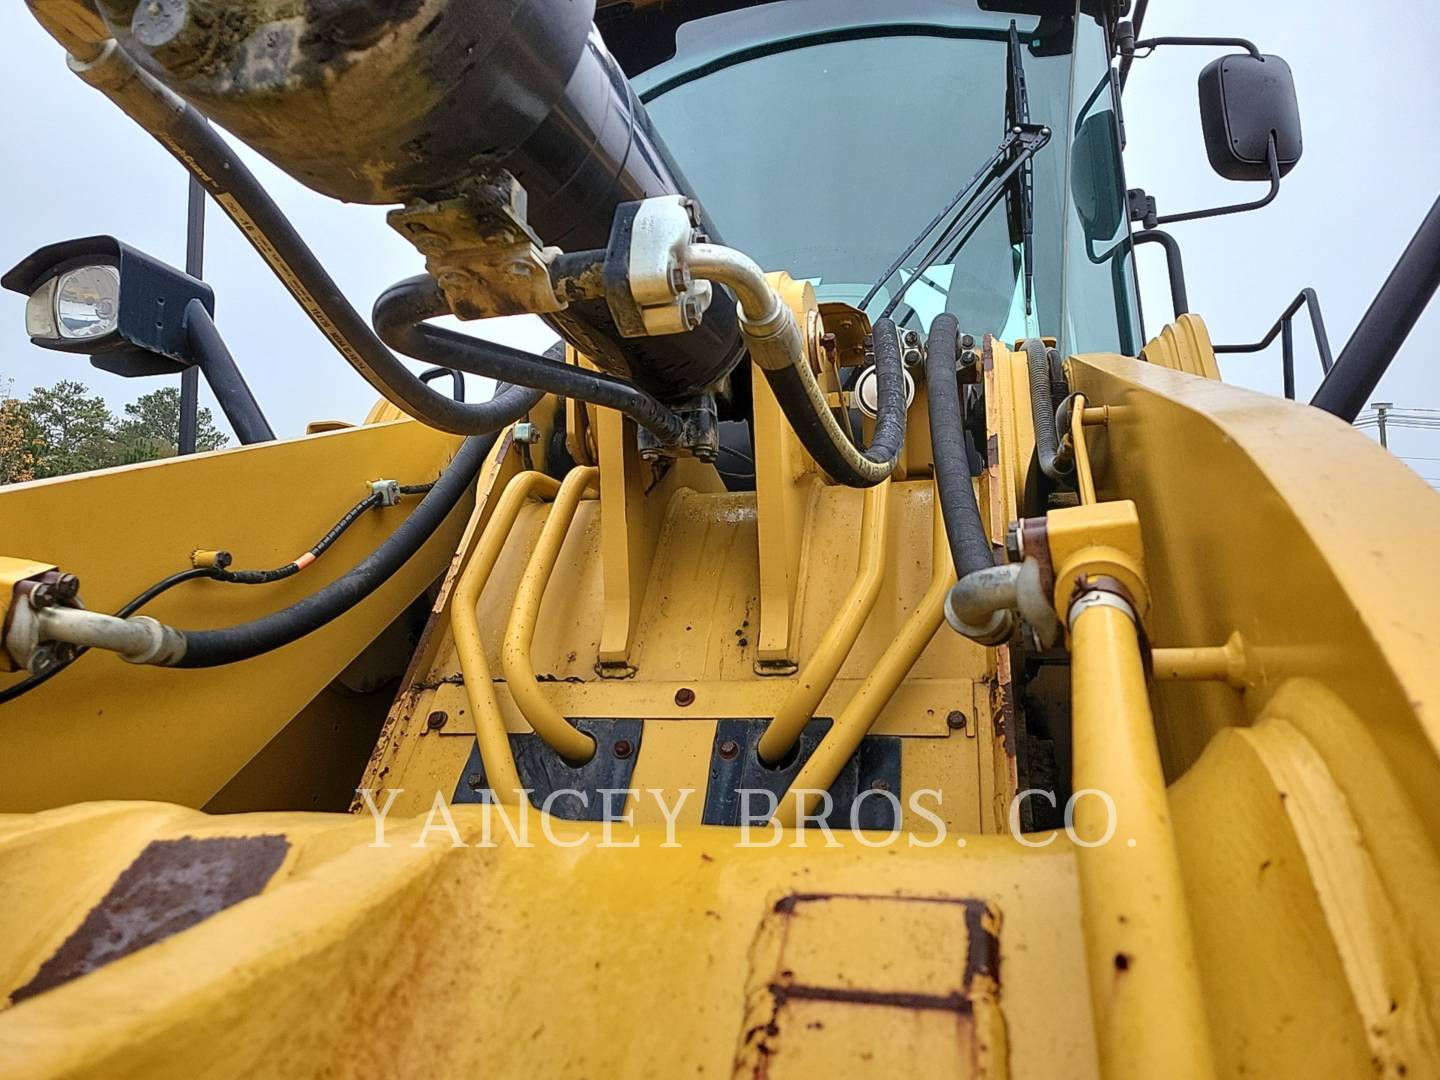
[1142, 206]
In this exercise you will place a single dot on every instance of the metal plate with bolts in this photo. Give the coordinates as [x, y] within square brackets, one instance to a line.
[735, 766]
[543, 772]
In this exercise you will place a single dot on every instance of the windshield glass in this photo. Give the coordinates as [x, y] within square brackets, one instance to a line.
[823, 135]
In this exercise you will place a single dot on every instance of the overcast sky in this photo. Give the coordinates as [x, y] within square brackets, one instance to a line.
[1369, 94]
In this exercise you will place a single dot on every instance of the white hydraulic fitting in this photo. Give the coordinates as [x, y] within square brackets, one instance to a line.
[138, 639]
[670, 300]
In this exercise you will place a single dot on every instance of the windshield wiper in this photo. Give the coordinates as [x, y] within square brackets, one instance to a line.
[1023, 140]
[1022, 199]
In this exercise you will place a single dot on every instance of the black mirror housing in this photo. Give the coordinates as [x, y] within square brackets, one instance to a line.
[1244, 101]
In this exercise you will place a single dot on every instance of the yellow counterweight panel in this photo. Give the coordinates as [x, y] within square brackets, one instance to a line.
[522, 957]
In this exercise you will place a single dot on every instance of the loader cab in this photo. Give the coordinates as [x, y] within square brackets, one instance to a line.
[863, 120]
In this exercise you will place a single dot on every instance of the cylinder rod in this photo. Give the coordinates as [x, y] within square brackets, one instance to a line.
[1385, 325]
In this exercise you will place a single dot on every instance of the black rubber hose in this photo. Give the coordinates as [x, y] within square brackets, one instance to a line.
[830, 447]
[399, 319]
[969, 545]
[1042, 409]
[206, 155]
[212, 648]
[290, 569]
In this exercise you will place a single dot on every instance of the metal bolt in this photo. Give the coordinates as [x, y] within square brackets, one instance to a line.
[967, 341]
[956, 720]
[526, 432]
[692, 311]
[1012, 543]
[437, 720]
[912, 338]
[454, 280]
[623, 749]
[969, 358]
[728, 749]
[879, 785]
[680, 278]
[684, 697]
[474, 781]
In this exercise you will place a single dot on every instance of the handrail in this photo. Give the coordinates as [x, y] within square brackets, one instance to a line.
[564, 738]
[490, 734]
[1284, 326]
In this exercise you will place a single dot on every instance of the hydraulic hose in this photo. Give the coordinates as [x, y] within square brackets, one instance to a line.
[212, 648]
[399, 318]
[183, 131]
[969, 545]
[1042, 409]
[978, 604]
[778, 349]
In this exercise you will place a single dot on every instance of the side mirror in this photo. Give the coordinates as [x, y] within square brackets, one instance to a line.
[1245, 102]
[97, 296]
[1095, 177]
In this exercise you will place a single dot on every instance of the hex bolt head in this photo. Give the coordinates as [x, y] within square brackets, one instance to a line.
[728, 749]
[956, 720]
[967, 341]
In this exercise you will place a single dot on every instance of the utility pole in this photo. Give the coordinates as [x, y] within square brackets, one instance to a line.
[1382, 410]
[195, 267]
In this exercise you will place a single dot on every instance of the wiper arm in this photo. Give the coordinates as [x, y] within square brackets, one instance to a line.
[1022, 200]
[970, 205]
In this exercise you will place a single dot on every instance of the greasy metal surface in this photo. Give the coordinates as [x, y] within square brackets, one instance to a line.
[567, 791]
[872, 771]
[172, 886]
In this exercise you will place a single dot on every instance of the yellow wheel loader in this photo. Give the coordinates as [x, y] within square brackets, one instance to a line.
[858, 648]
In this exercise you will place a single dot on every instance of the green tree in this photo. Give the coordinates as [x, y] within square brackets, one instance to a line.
[17, 438]
[65, 429]
[151, 428]
[73, 429]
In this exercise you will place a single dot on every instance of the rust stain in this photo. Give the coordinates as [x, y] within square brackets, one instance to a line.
[171, 886]
[956, 1002]
[979, 982]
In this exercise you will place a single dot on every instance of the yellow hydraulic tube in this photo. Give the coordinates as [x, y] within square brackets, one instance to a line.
[819, 674]
[859, 716]
[479, 689]
[1084, 479]
[1137, 936]
[1228, 663]
[574, 746]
